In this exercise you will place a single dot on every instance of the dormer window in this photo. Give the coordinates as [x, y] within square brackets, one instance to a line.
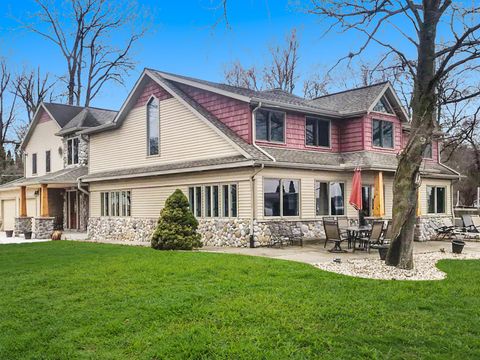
[383, 106]
[153, 126]
[270, 125]
[382, 134]
[72, 150]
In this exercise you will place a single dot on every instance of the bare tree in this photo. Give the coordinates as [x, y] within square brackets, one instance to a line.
[82, 30]
[280, 72]
[315, 86]
[420, 22]
[32, 88]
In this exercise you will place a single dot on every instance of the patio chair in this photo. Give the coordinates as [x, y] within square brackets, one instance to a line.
[468, 224]
[375, 237]
[476, 222]
[387, 233]
[332, 233]
[446, 230]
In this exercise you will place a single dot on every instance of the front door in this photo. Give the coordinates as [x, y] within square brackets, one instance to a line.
[72, 209]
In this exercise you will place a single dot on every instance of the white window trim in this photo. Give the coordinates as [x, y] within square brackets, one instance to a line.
[35, 155]
[281, 199]
[72, 154]
[328, 182]
[388, 104]
[329, 133]
[284, 127]
[46, 151]
[435, 187]
[203, 204]
[150, 99]
[108, 204]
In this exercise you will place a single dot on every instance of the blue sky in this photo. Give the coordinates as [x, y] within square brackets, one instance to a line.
[182, 40]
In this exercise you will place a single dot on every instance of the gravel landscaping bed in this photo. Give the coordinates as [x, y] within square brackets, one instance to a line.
[424, 269]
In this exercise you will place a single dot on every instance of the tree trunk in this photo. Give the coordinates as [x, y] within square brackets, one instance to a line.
[407, 176]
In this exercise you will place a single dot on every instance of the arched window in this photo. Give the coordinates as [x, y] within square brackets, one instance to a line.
[153, 127]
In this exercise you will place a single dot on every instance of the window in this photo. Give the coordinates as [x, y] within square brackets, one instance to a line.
[329, 198]
[153, 126]
[382, 133]
[383, 106]
[115, 203]
[47, 161]
[270, 125]
[281, 197]
[34, 163]
[428, 153]
[436, 199]
[317, 132]
[72, 150]
[219, 200]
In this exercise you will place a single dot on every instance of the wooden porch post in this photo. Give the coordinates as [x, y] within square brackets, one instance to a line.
[378, 200]
[23, 201]
[44, 201]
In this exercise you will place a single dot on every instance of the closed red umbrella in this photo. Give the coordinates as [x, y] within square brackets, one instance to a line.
[356, 195]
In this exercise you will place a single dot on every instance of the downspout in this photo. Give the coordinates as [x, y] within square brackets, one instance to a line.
[254, 134]
[79, 187]
[252, 202]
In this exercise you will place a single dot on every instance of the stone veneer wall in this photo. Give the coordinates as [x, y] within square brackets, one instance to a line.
[43, 227]
[215, 232]
[126, 229]
[22, 225]
[82, 150]
[83, 211]
[426, 225]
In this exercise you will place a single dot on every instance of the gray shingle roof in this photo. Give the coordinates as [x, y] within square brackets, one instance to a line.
[88, 117]
[274, 95]
[351, 101]
[155, 169]
[366, 160]
[64, 176]
[63, 113]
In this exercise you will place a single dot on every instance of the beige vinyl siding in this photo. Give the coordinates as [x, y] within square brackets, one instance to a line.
[183, 137]
[423, 195]
[43, 138]
[149, 194]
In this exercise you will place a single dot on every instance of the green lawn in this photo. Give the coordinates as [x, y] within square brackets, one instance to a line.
[66, 300]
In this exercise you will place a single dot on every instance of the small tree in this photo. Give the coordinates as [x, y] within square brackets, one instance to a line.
[177, 227]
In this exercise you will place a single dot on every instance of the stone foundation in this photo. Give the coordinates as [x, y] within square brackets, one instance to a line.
[225, 232]
[126, 229]
[426, 226]
[268, 231]
[22, 225]
[83, 211]
[43, 227]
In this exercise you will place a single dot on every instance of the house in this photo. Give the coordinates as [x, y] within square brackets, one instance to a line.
[252, 163]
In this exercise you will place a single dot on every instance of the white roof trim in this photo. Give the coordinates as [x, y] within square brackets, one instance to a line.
[388, 86]
[208, 122]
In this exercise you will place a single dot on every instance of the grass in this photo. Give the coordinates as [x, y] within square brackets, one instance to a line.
[67, 300]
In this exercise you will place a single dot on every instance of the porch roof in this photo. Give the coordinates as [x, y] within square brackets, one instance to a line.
[67, 176]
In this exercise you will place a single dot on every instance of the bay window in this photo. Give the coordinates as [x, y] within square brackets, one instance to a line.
[281, 197]
[270, 125]
[329, 198]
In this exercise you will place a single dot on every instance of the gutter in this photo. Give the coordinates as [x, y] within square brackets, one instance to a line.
[253, 205]
[254, 132]
[79, 187]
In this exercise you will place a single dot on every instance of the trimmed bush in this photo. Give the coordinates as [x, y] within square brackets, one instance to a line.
[177, 227]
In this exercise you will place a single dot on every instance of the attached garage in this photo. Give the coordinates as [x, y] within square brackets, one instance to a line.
[9, 212]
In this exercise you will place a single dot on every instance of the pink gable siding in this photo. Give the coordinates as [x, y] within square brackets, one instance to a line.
[295, 135]
[351, 135]
[234, 113]
[152, 88]
[367, 126]
[44, 117]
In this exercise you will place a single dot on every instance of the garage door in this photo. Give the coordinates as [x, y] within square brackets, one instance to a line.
[9, 212]
[32, 207]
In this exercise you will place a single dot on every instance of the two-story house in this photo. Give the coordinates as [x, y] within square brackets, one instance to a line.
[252, 163]
[55, 157]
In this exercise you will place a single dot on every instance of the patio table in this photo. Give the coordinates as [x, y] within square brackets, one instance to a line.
[357, 232]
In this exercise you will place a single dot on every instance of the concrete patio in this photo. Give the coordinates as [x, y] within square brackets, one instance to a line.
[317, 254]
[21, 240]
